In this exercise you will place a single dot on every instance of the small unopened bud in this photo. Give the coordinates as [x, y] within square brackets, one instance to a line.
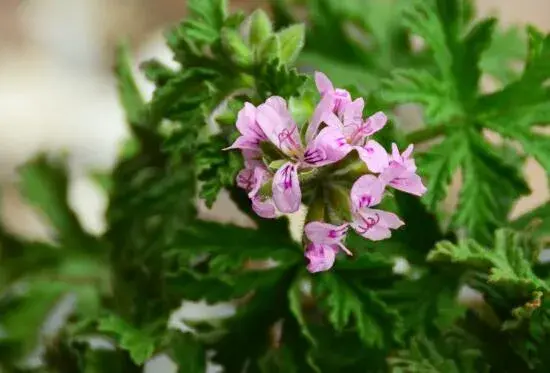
[269, 50]
[236, 48]
[260, 28]
[292, 40]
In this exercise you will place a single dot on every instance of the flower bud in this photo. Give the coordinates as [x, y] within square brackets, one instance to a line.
[269, 50]
[260, 28]
[292, 40]
[236, 48]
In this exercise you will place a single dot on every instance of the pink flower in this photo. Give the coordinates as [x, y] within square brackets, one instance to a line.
[251, 133]
[401, 172]
[328, 146]
[357, 134]
[325, 242]
[251, 179]
[339, 97]
[371, 223]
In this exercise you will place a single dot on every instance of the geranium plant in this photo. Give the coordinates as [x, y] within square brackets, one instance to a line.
[298, 114]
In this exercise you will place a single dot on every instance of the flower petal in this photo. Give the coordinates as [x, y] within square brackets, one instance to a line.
[321, 257]
[260, 176]
[264, 209]
[320, 115]
[375, 123]
[328, 147]
[324, 233]
[374, 155]
[323, 83]
[286, 188]
[375, 225]
[353, 113]
[245, 142]
[276, 122]
[246, 122]
[367, 191]
[245, 179]
[409, 182]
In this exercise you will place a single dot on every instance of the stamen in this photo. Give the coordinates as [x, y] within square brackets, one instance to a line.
[286, 135]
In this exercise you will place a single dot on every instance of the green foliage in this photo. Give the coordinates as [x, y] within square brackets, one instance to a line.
[362, 316]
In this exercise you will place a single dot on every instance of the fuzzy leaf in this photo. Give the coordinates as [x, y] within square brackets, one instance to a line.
[424, 356]
[421, 87]
[526, 101]
[490, 186]
[217, 169]
[349, 302]
[438, 166]
[138, 343]
[507, 263]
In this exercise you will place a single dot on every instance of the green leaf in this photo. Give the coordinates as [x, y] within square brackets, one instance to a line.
[490, 186]
[291, 40]
[206, 18]
[217, 168]
[351, 304]
[188, 353]
[45, 186]
[168, 100]
[524, 102]
[139, 344]
[425, 356]
[438, 166]
[129, 94]
[295, 298]
[467, 70]
[422, 19]
[507, 263]
[156, 72]
[421, 87]
[508, 47]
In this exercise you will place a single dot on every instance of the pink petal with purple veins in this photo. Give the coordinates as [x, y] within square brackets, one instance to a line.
[374, 155]
[321, 257]
[328, 147]
[367, 191]
[245, 179]
[324, 233]
[374, 224]
[320, 115]
[286, 188]
[280, 129]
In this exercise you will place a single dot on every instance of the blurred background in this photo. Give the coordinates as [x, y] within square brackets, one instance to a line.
[58, 94]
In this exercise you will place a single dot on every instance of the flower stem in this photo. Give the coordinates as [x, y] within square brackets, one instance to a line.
[426, 134]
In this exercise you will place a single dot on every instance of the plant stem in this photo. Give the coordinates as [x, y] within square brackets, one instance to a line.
[426, 134]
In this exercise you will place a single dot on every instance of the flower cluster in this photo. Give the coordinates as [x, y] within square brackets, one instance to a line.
[280, 156]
